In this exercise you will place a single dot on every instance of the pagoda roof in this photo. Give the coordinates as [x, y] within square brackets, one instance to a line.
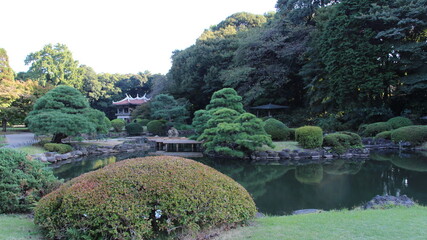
[129, 100]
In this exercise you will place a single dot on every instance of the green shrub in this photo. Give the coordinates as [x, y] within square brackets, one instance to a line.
[398, 122]
[309, 136]
[22, 181]
[384, 135]
[156, 127]
[355, 139]
[416, 134]
[58, 147]
[143, 198]
[340, 143]
[276, 129]
[118, 124]
[134, 129]
[142, 122]
[370, 130]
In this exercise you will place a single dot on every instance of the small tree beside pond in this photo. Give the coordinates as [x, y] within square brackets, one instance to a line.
[64, 112]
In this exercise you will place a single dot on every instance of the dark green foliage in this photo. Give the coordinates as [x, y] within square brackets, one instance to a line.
[134, 129]
[144, 198]
[398, 122]
[329, 124]
[291, 133]
[118, 124]
[156, 127]
[58, 147]
[416, 134]
[226, 98]
[384, 135]
[218, 116]
[342, 141]
[22, 181]
[164, 106]
[200, 121]
[143, 122]
[309, 136]
[371, 130]
[64, 111]
[276, 129]
[309, 174]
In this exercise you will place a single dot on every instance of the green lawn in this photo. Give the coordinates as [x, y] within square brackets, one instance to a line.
[279, 146]
[396, 223]
[30, 150]
[18, 227]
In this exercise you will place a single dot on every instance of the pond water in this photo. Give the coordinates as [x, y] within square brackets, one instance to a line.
[280, 189]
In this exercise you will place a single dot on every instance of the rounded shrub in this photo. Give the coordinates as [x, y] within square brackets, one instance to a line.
[339, 142]
[276, 129]
[134, 129]
[156, 127]
[144, 198]
[118, 124]
[371, 130]
[398, 122]
[355, 139]
[384, 135]
[58, 147]
[416, 134]
[143, 121]
[22, 181]
[309, 136]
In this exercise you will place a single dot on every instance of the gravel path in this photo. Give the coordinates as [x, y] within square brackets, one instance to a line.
[20, 140]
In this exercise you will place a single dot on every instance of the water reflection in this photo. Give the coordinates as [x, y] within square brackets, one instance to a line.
[279, 189]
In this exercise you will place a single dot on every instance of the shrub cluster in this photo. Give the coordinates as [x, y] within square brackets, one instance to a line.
[416, 134]
[398, 122]
[143, 121]
[143, 198]
[156, 127]
[118, 124]
[384, 135]
[134, 129]
[370, 130]
[342, 141]
[309, 136]
[22, 181]
[276, 129]
[58, 147]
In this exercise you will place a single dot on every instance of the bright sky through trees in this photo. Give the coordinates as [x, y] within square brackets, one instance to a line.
[125, 36]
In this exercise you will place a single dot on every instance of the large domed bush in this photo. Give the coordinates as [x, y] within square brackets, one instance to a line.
[309, 136]
[144, 198]
[156, 127]
[276, 129]
[22, 181]
[398, 122]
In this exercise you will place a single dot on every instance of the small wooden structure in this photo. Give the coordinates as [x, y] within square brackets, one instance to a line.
[269, 107]
[127, 105]
[175, 144]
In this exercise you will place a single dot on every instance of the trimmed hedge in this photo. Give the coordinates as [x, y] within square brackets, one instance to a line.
[143, 121]
[157, 127]
[398, 122]
[371, 130]
[22, 181]
[276, 129]
[342, 141]
[416, 134]
[58, 147]
[384, 135]
[309, 136]
[144, 198]
[134, 129]
[118, 124]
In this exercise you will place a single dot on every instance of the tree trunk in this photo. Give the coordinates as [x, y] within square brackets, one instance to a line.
[57, 137]
[4, 124]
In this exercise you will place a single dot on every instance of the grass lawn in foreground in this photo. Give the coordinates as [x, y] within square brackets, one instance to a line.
[18, 227]
[395, 223]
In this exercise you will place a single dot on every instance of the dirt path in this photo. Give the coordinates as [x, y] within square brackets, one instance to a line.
[19, 140]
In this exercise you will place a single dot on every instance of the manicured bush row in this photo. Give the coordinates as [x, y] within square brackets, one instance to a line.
[58, 147]
[398, 122]
[384, 135]
[143, 198]
[134, 129]
[370, 130]
[118, 124]
[416, 134]
[342, 141]
[276, 129]
[157, 127]
[22, 181]
[309, 136]
[143, 121]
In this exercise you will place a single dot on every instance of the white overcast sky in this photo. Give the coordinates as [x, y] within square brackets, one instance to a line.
[120, 36]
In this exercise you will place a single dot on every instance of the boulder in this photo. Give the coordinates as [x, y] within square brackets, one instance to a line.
[387, 201]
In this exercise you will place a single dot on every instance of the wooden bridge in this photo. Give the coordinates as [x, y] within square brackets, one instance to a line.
[175, 144]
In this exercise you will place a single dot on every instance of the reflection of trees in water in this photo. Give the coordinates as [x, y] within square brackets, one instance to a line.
[340, 167]
[309, 174]
[414, 161]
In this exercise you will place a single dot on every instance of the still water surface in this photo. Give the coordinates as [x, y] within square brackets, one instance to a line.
[280, 189]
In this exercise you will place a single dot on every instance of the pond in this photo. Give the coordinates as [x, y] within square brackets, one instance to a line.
[280, 189]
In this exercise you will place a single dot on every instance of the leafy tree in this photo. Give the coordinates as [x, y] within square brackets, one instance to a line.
[200, 120]
[54, 64]
[63, 112]
[164, 106]
[226, 98]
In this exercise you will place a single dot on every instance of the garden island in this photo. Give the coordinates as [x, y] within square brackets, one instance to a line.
[305, 123]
